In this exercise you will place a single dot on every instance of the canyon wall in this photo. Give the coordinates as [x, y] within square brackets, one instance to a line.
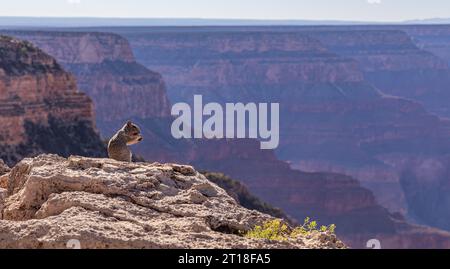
[332, 119]
[412, 62]
[337, 90]
[432, 38]
[121, 88]
[41, 108]
[325, 197]
[392, 62]
[104, 63]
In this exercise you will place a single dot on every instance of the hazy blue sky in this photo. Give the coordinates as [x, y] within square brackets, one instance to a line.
[361, 10]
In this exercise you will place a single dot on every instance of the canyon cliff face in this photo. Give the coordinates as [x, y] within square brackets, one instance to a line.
[326, 197]
[41, 108]
[196, 62]
[121, 89]
[408, 61]
[426, 185]
[432, 38]
[332, 118]
[104, 63]
[392, 62]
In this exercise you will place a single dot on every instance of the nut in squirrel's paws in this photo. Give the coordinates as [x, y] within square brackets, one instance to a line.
[130, 134]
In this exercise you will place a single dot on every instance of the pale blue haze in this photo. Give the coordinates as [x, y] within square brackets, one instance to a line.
[349, 10]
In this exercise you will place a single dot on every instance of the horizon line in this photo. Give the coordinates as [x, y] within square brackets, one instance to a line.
[218, 18]
[12, 22]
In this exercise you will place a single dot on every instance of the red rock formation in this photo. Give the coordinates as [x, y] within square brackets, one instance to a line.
[331, 119]
[199, 60]
[82, 48]
[427, 38]
[106, 70]
[393, 63]
[326, 197]
[432, 38]
[426, 184]
[121, 88]
[37, 94]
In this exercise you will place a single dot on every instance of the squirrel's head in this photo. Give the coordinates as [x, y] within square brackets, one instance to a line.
[132, 133]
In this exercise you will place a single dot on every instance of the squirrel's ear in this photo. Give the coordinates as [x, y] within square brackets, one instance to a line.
[129, 123]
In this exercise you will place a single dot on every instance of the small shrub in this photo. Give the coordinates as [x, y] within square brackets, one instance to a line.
[311, 226]
[278, 231]
[23, 50]
[272, 230]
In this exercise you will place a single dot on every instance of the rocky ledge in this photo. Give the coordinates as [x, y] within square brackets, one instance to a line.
[50, 202]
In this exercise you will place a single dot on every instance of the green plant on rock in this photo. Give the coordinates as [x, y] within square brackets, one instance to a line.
[278, 231]
[23, 50]
[271, 230]
[311, 226]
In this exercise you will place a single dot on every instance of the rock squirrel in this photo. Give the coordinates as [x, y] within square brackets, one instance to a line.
[118, 150]
[3, 168]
